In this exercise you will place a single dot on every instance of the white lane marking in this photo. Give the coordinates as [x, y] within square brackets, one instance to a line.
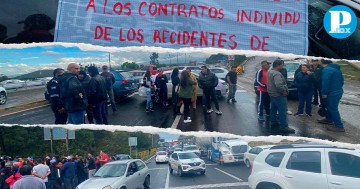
[148, 161]
[230, 175]
[177, 118]
[222, 185]
[241, 86]
[167, 179]
[241, 91]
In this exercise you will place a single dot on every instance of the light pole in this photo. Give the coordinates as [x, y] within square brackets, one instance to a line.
[109, 62]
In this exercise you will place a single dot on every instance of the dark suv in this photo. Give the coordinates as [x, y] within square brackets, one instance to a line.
[124, 84]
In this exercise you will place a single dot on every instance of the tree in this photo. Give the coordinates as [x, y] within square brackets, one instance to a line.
[154, 58]
[3, 77]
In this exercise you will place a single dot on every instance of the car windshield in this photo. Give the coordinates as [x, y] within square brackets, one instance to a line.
[292, 67]
[239, 149]
[121, 157]
[161, 153]
[217, 70]
[126, 75]
[190, 148]
[111, 170]
[187, 156]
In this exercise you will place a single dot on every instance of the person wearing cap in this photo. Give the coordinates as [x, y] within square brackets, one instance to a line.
[264, 98]
[42, 171]
[68, 173]
[36, 29]
[97, 95]
[207, 82]
[109, 81]
[53, 88]
[28, 181]
[54, 177]
[73, 95]
[231, 79]
[278, 91]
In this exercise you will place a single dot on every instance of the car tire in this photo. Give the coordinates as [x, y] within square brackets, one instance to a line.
[268, 186]
[247, 163]
[3, 98]
[147, 182]
[221, 157]
[170, 169]
[156, 162]
[180, 172]
[202, 172]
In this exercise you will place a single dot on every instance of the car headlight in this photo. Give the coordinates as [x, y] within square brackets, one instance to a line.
[107, 187]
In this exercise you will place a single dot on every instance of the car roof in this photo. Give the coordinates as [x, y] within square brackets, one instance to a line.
[264, 146]
[302, 145]
[125, 161]
[184, 152]
[235, 141]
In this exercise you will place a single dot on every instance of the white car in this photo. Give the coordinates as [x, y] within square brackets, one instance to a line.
[300, 166]
[192, 68]
[219, 72]
[36, 82]
[250, 156]
[3, 96]
[161, 157]
[221, 89]
[12, 84]
[186, 162]
[123, 174]
[192, 148]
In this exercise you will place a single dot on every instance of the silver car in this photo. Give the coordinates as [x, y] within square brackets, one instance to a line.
[123, 174]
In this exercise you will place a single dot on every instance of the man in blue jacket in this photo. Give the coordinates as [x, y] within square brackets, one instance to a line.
[332, 91]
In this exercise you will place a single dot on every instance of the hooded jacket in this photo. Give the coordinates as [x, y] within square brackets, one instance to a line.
[332, 80]
[208, 80]
[70, 89]
[97, 89]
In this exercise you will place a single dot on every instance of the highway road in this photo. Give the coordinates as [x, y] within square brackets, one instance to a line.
[238, 118]
[229, 176]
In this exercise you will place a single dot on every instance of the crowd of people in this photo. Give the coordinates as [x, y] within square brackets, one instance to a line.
[316, 81]
[49, 173]
[75, 93]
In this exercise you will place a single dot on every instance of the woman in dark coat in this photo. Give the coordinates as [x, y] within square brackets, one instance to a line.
[175, 80]
[304, 81]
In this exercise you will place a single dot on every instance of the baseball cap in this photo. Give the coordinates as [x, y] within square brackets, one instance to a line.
[39, 21]
[69, 158]
[52, 161]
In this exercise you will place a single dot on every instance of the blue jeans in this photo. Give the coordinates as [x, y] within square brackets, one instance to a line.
[100, 113]
[305, 97]
[332, 103]
[69, 181]
[76, 118]
[149, 102]
[279, 104]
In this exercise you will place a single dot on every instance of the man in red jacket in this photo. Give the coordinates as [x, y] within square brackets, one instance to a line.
[264, 98]
[104, 158]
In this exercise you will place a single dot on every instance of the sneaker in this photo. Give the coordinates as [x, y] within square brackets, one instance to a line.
[334, 129]
[187, 121]
[147, 110]
[289, 112]
[151, 109]
[228, 100]
[218, 112]
[209, 111]
[233, 100]
[261, 118]
[298, 114]
[287, 130]
[325, 121]
[189, 118]
[309, 115]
